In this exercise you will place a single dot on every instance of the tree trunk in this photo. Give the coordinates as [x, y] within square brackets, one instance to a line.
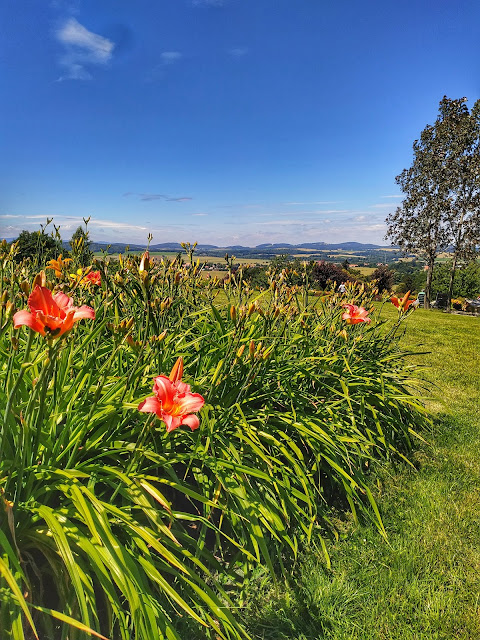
[428, 284]
[452, 278]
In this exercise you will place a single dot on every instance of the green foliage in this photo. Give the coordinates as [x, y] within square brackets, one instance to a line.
[384, 278]
[325, 274]
[423, 583]
[135, 533]
[256, 277]
[465, 284]
[37, 245]
[441, 207]
[80, 244]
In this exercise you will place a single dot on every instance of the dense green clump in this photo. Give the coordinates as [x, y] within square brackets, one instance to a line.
[111, 522]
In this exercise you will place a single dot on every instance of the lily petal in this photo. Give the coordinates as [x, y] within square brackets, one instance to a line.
[83, 312]
[189, 403]
[63, 301]
[25, 318]
[41, 300]
[191, 421]
[151, 405]
[165, 392]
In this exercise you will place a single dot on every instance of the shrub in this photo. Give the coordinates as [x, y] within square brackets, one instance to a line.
[113, 523]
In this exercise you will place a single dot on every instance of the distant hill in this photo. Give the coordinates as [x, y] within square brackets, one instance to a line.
[265, 248]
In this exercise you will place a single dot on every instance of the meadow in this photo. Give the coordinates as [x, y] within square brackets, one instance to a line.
[168, 441]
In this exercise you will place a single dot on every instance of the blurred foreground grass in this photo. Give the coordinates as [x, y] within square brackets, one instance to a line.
[424, 583]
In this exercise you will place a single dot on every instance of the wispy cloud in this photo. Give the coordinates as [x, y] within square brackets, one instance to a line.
[314, 202]
[169, 57]
[69, 222]
[208, 3]
[147, 197]
[382, 205]
[238, 52]
[199, 214]
[399, 196]
[83, 50]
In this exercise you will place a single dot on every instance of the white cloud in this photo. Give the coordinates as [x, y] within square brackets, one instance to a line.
[83, 50]
[238, 52]
[169, 57]
[208, 3]
[315, 202]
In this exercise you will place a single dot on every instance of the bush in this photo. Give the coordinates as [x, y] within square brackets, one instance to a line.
[327, 273]
[113, 523]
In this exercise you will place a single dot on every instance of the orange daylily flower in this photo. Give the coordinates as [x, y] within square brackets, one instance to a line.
[50, 314]
[58, 265]
[93, 277]
[354, 314]
[173, 402]
[90, 277]
[404, 303]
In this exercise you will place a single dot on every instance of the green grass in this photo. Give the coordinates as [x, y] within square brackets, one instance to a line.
[424, 582]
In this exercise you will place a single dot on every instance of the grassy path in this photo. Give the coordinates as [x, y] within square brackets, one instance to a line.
[424, 583]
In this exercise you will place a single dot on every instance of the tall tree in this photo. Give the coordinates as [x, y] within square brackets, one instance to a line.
[442, 189]
[80, 243]
[462, 129]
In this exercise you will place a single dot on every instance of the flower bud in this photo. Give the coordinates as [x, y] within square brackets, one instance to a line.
[25, 287]
[251, 349]
[144, 262]
[240, 351]
[233, 313]
[39, 280]
[9, 310]
[177, 370]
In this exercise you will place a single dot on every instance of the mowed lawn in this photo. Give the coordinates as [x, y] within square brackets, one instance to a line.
[424, 582]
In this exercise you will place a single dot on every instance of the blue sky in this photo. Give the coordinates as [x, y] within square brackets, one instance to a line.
[222, 121]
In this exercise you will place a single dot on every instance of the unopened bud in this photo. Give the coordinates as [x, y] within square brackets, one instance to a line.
[240, 351]
[251, 309]
[39, 280]
[251, 348]
[25, 287]
[9, 310]
[144, 263]
[177, 370]
[233, 313]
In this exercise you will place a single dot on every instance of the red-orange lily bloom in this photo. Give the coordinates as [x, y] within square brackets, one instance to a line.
[51, 314]
[354, 314]
[173, 402]
[404, 303]
[92, 277]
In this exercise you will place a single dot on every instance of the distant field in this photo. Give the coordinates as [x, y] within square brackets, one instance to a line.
[366, 271]
[207, 259]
